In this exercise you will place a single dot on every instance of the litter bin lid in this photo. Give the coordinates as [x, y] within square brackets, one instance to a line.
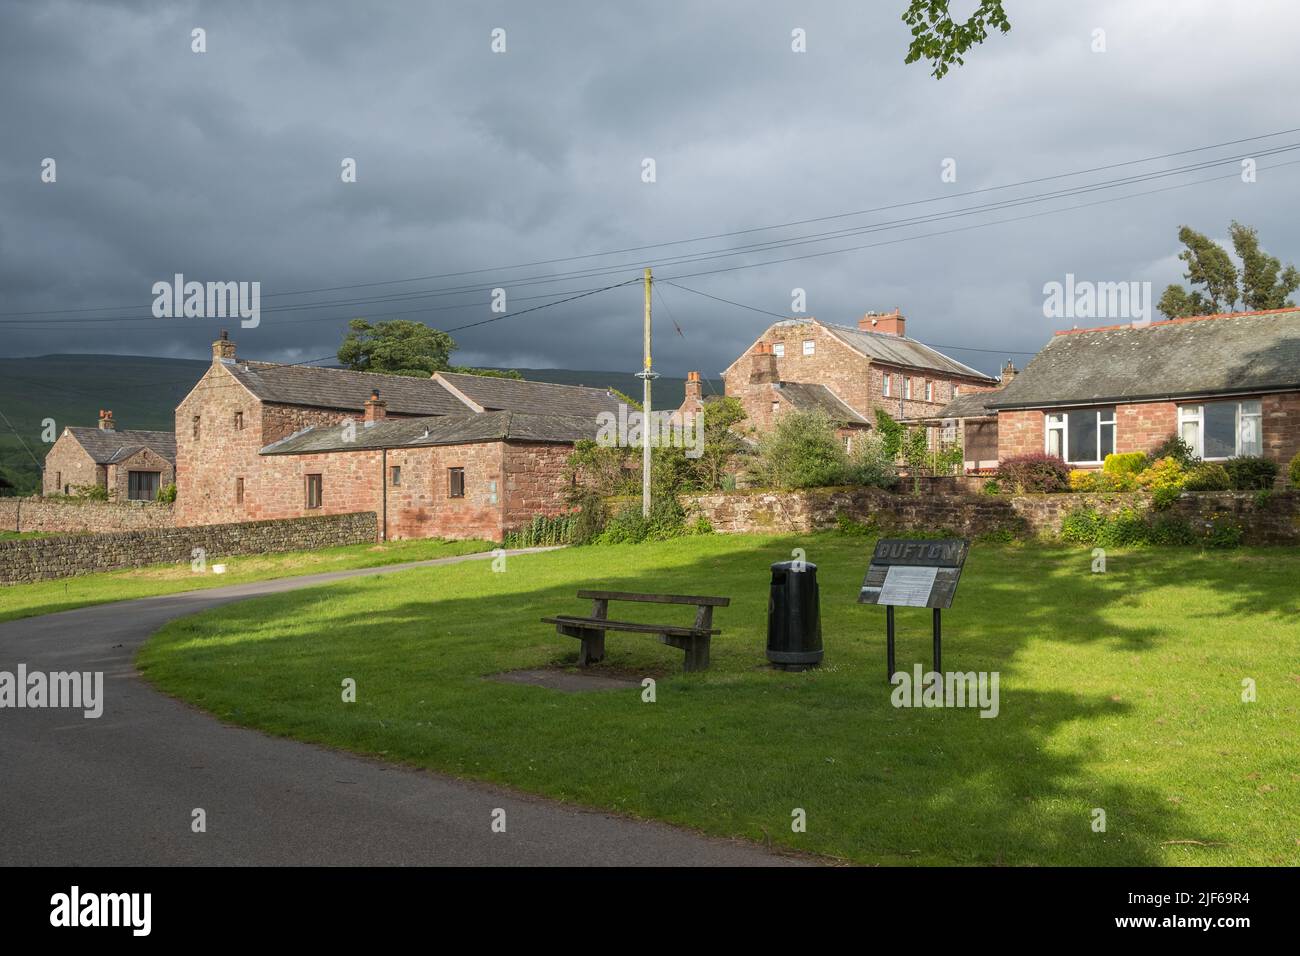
[790, 566]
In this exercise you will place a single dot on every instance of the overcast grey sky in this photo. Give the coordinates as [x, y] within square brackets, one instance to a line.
[225, 165]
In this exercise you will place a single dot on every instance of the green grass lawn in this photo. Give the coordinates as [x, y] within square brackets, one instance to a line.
[63, 594]
[1119, 691]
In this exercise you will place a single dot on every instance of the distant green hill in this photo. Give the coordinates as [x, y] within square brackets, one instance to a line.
[143, 392]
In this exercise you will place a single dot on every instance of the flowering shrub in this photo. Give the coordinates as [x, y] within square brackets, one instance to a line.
[1208, 476]
[1127, 463]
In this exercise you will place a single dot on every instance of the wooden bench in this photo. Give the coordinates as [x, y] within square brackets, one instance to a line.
[693, 639]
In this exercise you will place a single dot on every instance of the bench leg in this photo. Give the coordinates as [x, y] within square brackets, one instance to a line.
[592, 648]
[697, 654]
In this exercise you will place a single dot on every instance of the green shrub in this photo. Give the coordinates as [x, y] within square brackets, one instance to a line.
[1223, 532]
[801, 451]
[1208, 476]
[167, 494]
[667, 520]
[1176, 448]
[1171, 530]
[992, 487]
[543, 531]
[1126, 463]
[1082, 480]
[1124, 529]
[1249, 473]
[1295, 471]
[1164, 479]
[1082, 526]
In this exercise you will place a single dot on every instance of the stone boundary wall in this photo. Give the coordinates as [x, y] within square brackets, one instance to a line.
[62, 516]
[1271, 520]
[39, 559]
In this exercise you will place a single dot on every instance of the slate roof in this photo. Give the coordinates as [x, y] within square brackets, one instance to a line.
[902, 351]
[807, 396]
[513, 395]
[464, 428]
[970, 405]
[344, 389]
[106, 447]
[1179, 358]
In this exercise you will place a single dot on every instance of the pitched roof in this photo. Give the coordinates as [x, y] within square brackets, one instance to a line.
[970, 405]
[344, 389]
[1179, 358]
[807, 396]
[902, 351]
[106, 446]
[464, 428]
[494, 393]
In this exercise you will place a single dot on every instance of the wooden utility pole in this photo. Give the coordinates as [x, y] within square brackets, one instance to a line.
[647, 374]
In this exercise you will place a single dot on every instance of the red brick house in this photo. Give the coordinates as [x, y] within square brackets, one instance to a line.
[453, 456]
[847, 371]
[1228, 384]
[128, 465]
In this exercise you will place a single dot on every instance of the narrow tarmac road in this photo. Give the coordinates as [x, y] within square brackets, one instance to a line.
[121, 789]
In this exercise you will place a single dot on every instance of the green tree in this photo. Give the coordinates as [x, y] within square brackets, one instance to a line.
[1217, 282]
[721, 443]
[399, 347]
[935, 37]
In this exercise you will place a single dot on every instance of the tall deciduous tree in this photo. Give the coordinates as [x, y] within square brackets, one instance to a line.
[399, 347]
[938, 39]
[1218, 285]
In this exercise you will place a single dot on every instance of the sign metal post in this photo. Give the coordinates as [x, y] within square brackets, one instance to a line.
[913, 573]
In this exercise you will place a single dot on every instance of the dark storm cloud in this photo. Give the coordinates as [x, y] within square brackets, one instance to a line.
[225, 165]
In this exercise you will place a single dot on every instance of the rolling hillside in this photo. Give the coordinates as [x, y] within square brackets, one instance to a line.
[144, 391]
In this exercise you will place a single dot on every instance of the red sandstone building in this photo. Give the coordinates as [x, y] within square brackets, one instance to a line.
[128, 465]
[456, 456]
[848, 372]
[1228, 384]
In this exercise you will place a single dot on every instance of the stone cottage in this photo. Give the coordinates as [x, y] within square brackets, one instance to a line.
[848, 372]
[129, 465]
[1228, 384]
[454, 456]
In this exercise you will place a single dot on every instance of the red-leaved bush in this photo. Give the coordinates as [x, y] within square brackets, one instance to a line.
[1030, 473]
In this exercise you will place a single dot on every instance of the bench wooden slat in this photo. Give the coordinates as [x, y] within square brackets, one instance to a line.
[696, 599]
[600, 623]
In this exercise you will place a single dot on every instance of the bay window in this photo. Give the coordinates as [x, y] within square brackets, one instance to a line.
[1218, 430]
[1084, 436]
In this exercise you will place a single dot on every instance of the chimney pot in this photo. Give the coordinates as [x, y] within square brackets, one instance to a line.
[106, 420]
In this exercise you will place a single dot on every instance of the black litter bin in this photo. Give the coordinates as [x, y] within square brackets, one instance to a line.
[794, 624]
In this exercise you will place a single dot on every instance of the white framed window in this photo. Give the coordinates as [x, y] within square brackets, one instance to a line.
[776, 406]
[779, 350]
[907, 386]
[929, 391]
[1220, 430]
[886, 385]
[1082, 437]
[809, 346]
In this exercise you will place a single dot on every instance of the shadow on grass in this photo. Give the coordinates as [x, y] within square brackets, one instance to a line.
[734, 750]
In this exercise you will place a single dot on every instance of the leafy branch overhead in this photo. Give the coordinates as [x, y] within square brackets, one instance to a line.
[1218, 284]
[936, 38]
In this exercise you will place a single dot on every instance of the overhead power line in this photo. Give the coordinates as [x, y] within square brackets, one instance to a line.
[705, 255]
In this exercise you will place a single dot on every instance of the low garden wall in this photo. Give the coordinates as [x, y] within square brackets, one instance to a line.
[62, 515]
[37, 559]
[1265, 519]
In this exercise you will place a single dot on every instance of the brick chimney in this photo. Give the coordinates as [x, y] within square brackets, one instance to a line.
[223, 348]
[888, 323]
[106, 420]
[1009, 371]
[376, 408]
[762, 367]
[694, 388]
